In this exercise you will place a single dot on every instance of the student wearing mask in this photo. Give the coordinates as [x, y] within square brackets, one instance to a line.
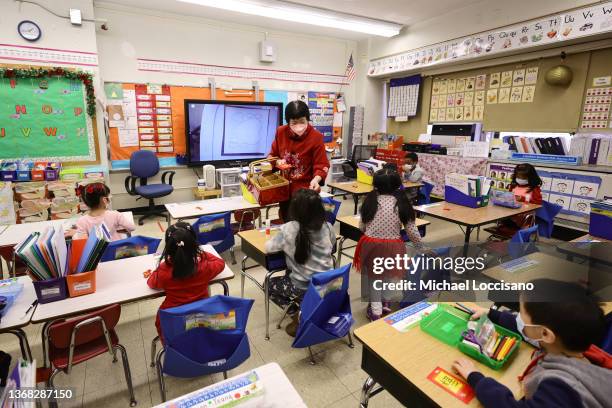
[301, 146]
[412, 171]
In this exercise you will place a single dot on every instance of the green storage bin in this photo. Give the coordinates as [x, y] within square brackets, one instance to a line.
[447, 324]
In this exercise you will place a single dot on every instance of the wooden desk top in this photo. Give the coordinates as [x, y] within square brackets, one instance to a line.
[278, 390]
[460, 214]
[548, 266]
[353, 221]
[356, 187]
[257, 238]
[119, 281]
[16, 316]
[590, 238]
[415, 354]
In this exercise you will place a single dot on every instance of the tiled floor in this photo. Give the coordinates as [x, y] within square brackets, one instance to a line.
[335, 381]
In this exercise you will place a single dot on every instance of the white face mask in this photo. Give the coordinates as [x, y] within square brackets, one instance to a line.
[520, 326]
[522, 182]
[299, 128]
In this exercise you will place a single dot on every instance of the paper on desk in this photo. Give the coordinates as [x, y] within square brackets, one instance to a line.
[427, 205]
[519, 264]
[406, 318]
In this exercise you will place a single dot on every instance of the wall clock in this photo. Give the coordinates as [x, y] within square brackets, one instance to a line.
[29, 30]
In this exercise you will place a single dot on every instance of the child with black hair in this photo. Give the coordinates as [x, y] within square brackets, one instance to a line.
[97, 197]
[184, 270]
[307, 241]
[568, 369]
[525, 186]
[412, 171]
[385, 211]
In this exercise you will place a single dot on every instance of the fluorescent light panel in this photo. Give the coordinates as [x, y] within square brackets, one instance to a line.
[304, 15]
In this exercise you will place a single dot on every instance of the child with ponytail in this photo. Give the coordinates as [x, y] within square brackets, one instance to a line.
[386, 210]
[184, 270]
[307, 242]
[97, 197]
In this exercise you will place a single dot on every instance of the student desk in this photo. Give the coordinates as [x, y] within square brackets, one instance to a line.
[119, 281]
[599, 252]
[400, 363]
[472, 217]
[254, 247]
[349, 229]
[356, 189]
[278, 392]
[196, 209]
[19, 314]
[15, 233]
[548, 266]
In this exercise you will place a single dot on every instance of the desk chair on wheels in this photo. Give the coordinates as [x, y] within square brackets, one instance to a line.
[144, 165]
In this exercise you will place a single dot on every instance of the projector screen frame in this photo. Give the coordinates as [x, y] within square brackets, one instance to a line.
[223, 163]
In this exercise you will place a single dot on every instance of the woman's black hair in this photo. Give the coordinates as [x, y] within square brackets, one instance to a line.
[182, 250]
[307, 210]
[387, 182]
[569, 310]
[93, 193]
[296, 110]
[532, 176]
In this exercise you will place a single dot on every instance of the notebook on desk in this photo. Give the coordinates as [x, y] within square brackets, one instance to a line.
[505, 199]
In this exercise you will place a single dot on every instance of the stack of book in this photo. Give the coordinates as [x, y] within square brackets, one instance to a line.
[593, 148]
[49, 256]
[537, 145]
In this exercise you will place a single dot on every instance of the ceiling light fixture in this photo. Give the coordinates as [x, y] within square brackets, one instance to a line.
[304, 15]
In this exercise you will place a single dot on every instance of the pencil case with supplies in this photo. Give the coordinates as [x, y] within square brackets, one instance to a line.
[484, 341]
[265, 186]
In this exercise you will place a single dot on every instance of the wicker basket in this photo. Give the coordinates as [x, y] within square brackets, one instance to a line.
[267, 187]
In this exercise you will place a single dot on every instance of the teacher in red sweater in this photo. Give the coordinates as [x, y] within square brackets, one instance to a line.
[301, 146]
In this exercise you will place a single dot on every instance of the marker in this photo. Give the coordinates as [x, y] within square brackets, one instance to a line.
[464, 308]
[31, 306]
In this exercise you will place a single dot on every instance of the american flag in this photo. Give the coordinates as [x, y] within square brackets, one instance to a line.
[350, 69]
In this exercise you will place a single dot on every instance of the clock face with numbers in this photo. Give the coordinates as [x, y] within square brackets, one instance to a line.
[29, 30]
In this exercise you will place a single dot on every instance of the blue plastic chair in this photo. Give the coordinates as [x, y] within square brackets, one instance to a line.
[216, 230]
[523, 242]
[545, 218]
[327, 296]
[203, 337]
[425, 193]
[130, 247]
[331, 209]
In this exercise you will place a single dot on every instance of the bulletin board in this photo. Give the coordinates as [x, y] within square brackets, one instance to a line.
[122, 145]
[46, 119]
[123, 142]
[553, 108]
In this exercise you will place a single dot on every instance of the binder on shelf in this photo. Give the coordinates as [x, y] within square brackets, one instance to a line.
[600, 223]
[467, 190]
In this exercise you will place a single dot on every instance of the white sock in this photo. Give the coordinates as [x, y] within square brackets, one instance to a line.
[376, 308]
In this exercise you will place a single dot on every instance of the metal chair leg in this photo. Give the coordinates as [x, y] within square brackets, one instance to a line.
[278, 325]
[368, 391]
[225, 375]
[52, 401]
[153, 350]
[127, 372]
[160, 375]
[233, 255]
[242, 277]
[350, 340]
[340, 245]
[312, 360]
[267, 304]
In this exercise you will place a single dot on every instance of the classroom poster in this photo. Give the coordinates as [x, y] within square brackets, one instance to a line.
[152, 113]
[574, 192]
[321, 105]
[501, 176]
[46, 119]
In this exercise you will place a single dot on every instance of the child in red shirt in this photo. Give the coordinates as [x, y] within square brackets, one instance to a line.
[185, 271]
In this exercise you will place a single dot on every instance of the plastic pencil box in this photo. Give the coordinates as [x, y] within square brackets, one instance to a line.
[447, 325]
